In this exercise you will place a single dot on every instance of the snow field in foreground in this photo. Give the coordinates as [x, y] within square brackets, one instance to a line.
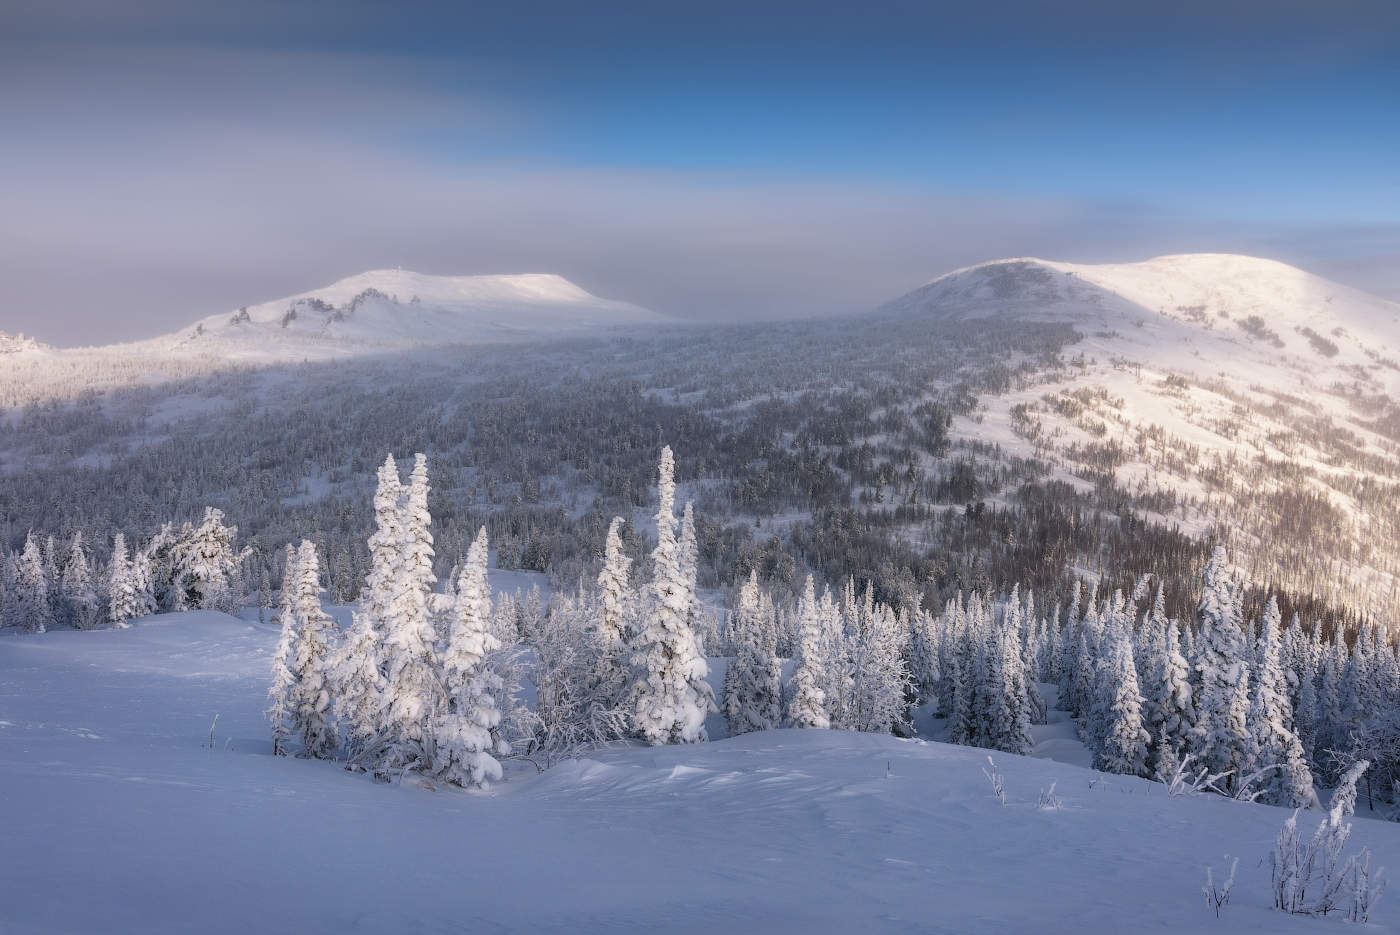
[118, 818]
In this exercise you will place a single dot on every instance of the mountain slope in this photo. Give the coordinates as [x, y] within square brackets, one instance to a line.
[397, 308]
[1211, 306]
[1227, 394]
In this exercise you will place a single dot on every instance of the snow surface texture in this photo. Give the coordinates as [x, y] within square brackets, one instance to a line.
[119, 819]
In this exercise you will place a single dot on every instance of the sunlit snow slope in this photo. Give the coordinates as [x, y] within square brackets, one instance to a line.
[1224, 393]
[118, 818]
[1208, 312]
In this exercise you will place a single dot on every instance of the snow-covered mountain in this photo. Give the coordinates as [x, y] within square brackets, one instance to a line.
[1222, 395]
[1221, 392]
[1194, 311]
[397, 308]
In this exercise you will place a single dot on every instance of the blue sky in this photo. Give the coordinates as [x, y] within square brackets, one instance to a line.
[719, 160]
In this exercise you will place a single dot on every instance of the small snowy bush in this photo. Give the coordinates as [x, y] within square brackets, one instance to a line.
[1310, 876]
[1218, 895]
[996, 779]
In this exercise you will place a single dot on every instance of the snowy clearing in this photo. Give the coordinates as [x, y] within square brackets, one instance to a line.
[120, 819]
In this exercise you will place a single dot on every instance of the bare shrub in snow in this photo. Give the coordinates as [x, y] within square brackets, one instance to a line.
[1218, 895]
[1186, 782]
[1048, 801]
[580, 696]
[1309, 875]
[996, 779]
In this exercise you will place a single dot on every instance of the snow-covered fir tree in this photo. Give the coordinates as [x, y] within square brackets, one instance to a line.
[122, 604]
[143, 596]
[688, 549]
[30, 605]
[279, 712]
[804, 700]
[413, 692]
[1169, 705]
[837, 664]
[881, 684]
[205, 564]
[1222, 737]
[357, 686]
[614, 590]
[386, 547]
[753, 682]
[466, 732]
[78, 594]
[925, 667]
[1007, 724]
[670, 696]
[1276, 742]
[1124, 745]
[310, 704]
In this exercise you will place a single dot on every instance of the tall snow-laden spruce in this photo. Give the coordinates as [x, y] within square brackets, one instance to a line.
[413, 693]
[805, 700]
[670, 696]
[925, 667]
[359, 677]
[1222, 737]
[385, 553]
[1124, 746]
[311, 659]
[1170, 704]
[465, 732]
[279, 712]
[753, 683]
[30, 605]
[614, 590]
[836, 666]
[122, 603]
[79, 596]
[357, 686]
[142, 583]
[688, 551]
[881, 684]
[1271, 719]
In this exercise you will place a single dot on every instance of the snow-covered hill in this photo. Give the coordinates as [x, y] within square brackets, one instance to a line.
[373, 313]
[1207, 312]
[1223, 392]
[396, 308]
[119, 818]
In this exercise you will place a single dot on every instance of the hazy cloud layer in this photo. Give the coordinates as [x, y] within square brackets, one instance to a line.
[172, 160]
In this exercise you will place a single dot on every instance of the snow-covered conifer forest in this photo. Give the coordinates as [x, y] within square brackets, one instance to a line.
[793, 626]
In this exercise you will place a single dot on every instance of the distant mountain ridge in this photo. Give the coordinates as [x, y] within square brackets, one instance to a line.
[396, 308]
